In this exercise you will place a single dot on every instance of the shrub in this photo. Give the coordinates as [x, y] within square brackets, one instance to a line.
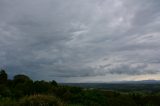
[8, 102]
[40, 100]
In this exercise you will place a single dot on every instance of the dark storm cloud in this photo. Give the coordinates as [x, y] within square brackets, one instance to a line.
[126, 69]
[50, 39]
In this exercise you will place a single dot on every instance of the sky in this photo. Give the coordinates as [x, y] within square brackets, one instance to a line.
[81, 40]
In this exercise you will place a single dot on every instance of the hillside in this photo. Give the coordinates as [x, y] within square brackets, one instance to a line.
[23, 91]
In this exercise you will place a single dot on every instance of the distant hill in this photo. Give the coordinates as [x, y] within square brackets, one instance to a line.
[138, 82]
[143, 85]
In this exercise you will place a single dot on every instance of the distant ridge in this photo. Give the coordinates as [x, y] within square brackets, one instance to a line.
[138, 82]
[142, 85]
[119, 82]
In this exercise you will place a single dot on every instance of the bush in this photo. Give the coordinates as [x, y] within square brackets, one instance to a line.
[89, 98]
[40, 100]
[8, 102]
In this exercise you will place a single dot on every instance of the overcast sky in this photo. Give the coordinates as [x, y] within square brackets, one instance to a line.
[81, 40]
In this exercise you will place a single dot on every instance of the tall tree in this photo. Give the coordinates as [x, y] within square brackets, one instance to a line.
[3, 76]
[21, 78]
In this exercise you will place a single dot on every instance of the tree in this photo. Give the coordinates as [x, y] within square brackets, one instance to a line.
[22, 85]
[21, 78]
[41, 87]
[54, 83]
[3, 77]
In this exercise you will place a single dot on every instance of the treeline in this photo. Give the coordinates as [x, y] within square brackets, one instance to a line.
[23, 91]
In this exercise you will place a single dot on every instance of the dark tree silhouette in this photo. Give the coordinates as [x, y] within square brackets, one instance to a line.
[3, 76]
[54, 83]
[21, 78]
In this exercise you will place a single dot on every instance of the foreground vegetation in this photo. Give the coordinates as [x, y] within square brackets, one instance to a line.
[23, 91]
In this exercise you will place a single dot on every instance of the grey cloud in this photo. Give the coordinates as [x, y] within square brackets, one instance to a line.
[54, 39]
[126, 69]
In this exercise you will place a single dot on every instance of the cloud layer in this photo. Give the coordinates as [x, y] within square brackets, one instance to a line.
[68, 40]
